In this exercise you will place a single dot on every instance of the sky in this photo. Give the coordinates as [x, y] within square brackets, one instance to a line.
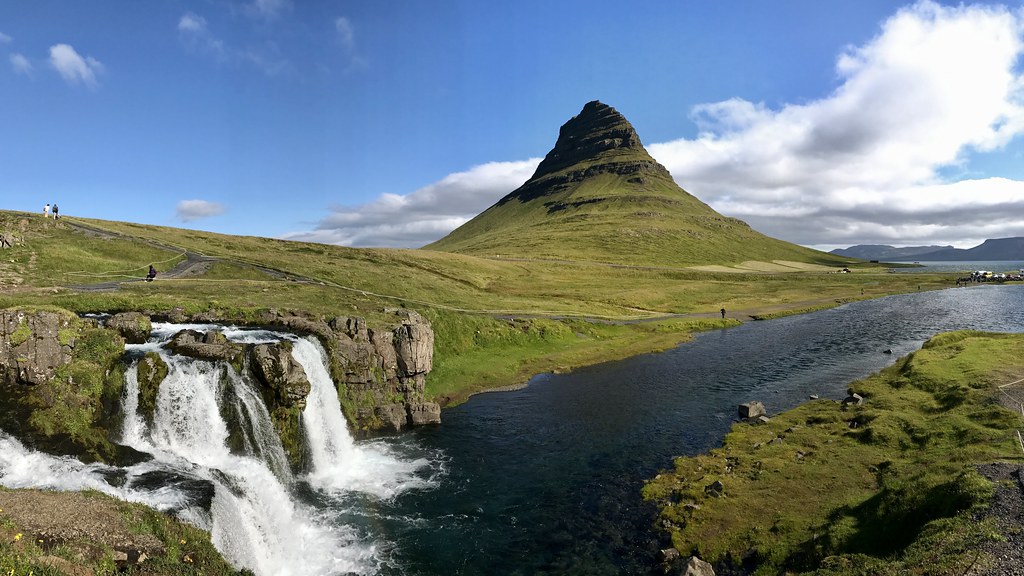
[390, 123]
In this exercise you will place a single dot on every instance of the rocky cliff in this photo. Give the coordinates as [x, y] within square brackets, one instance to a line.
[60, 381]
[61, 377]
[380, 372]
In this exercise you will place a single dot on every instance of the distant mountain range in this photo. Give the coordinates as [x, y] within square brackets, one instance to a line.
[993, 249]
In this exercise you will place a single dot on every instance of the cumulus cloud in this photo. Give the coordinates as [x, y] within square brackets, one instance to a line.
[20, 64]
[73, 67]
[189, 210]
[863, 164]
[418, 218]
[346, 33]
[196, 36]
[267, 9]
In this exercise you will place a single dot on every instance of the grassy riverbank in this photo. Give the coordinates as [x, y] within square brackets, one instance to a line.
[889, 487]
[566, 314]
[64, 533]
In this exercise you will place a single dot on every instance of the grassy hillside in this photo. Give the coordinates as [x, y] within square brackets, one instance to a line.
[598, 196]
[607, 218]
[889, 487]
[466, 297]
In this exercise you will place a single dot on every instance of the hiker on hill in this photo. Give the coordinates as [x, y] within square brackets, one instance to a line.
[55, 216]
[152, 274]
[723, 313]
[46, 211]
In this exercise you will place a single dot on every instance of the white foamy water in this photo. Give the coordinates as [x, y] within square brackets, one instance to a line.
[338, 464]
[255, 517]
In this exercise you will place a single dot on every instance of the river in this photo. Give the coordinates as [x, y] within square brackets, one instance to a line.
[543, 480]
[547, 479]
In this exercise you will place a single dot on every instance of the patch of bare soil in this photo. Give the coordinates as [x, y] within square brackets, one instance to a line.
[84, 522]
[1004, 557]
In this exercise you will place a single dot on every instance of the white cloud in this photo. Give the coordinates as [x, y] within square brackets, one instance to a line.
[267, 9]
[418, 218]
[346, 32]
[196, 36]
[189, 210]
[862, 164]
[5, 39]
[20, 64]
[73, 67]
[192, 23]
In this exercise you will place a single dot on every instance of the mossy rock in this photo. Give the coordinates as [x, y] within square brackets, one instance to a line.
[151, 372]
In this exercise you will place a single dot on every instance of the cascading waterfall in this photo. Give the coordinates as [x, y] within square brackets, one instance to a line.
[337, 463]
[256, 515]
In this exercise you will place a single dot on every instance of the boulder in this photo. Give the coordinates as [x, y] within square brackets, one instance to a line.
[853, 399]
[134, 327]
[393, 416]
[274, 367]
[697, 567]
[669, 555]
[424, 413]
[33, 345]
[206, 346]
[751, 410]
[716, 489]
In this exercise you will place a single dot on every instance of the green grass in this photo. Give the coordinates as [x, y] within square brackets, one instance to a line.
[54, 254]
[851, 490]
[189, 551]
[456, 291]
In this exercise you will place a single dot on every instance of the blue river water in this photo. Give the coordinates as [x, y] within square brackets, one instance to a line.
[547, 479]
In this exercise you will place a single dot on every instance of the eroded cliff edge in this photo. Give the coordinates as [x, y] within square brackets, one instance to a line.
[62, 376]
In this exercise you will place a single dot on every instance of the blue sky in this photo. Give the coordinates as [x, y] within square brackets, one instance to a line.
[389, 123]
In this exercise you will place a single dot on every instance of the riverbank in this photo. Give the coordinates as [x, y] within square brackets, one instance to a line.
[498, 322]
[887, 482]
[87, 533]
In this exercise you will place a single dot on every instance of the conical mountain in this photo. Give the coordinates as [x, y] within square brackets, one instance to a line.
[599, 196]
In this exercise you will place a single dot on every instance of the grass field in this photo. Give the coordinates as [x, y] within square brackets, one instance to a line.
[587, 307]
[883, 488]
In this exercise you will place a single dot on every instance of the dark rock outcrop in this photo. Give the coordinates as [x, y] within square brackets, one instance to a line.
[598, 140]
[33, 345]
[134, 327]
[150, 373]
[380, 372]
[206, 346]
[274, 367]
[383, 371]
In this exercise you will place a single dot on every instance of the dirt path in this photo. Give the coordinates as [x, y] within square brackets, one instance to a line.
[193, 266]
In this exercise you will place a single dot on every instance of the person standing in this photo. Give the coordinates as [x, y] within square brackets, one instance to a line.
[55, 214]
[723, 312]
[46, 211]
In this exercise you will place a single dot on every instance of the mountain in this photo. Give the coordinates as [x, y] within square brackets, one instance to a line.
[993, 249]
[886, 253]
[599, 196]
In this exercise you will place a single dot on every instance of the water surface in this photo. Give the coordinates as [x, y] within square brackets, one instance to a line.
[546, 480]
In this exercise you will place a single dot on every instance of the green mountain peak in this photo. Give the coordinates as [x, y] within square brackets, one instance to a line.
[599, 196]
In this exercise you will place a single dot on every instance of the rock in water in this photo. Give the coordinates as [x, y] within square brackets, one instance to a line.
[698, 567]
[751, 410]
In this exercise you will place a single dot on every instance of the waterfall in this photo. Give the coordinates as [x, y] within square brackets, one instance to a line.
[259, 515]
[338, 465]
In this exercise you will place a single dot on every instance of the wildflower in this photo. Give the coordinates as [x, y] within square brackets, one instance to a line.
[183, 541]
[17, 536]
